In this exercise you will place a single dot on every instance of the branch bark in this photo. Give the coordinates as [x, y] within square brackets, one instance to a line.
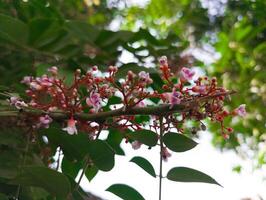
[159, 110]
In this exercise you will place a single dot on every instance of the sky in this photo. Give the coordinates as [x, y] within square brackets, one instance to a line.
[204, 158]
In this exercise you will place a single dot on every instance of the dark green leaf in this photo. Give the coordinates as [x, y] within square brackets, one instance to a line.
[91, 172]
[184, 174]
[114, 140]
[145, 137]
[144, 164]
[102, 155]
[178, 142]
[70, 168]
[75, 147]
[52, 181]
[125, 192]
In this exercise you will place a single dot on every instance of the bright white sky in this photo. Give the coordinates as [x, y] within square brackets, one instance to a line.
[204, 158]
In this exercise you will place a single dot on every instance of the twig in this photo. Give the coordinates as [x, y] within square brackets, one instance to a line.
[161, 157]
[23, 163]
[101, 116]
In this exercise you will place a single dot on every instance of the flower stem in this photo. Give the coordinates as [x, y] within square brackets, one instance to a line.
[161, 157]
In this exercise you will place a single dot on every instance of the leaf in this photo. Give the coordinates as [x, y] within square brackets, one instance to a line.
[144, 164]
[145, 137]
[75, 147]
[91, 172]
[102, 155]
[184, 174]
[125, 192]
[70, 168]
[52, 181]
[178, 142]
[13, 30]
[114, 140]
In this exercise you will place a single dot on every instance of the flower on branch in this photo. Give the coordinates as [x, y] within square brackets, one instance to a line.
[71, 127]
[44, 121]
[136, 145]
[198, 99]
[241, 110]
[14, 101]
[95, 101]
[186, 74]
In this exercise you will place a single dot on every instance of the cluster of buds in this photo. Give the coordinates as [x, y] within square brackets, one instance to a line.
[90, 91]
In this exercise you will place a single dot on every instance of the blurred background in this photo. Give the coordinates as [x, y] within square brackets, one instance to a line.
[222, 38]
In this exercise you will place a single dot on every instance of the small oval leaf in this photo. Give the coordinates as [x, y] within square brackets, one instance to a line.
[125, 192]
[144, 164]
[178, 142]
[52, 181]
[184, 174]
[145, 137]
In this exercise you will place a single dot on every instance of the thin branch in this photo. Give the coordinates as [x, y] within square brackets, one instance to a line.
[161, 157]
[23, 161]
[101, 116]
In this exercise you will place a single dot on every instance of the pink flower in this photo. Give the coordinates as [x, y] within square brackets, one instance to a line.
[14, 101]
[241, 110]
[27, 80]
[35, 86]
[136, 145]
[71, 127]
[186, 74]
[145, 77]
[163, 60]
[94, 100]
[53, 70]
[165, 154]
[201, 89]
[173, 98]
[44, 121]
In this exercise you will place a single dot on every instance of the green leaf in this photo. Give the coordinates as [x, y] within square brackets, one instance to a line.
[52, 181]
[91, 172]
[70, 168]
[144, 164]
[102, 155]
[125, 192]
[75, 147]
[178, 142]
[184, 174]
[145, 137]
[114, 140]
[13, 30]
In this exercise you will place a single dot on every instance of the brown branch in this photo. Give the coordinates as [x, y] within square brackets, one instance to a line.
[159, 110]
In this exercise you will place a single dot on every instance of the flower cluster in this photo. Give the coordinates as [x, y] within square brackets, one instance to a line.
[90, 92]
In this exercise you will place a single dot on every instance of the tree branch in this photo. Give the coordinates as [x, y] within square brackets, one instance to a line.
[159, 110]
